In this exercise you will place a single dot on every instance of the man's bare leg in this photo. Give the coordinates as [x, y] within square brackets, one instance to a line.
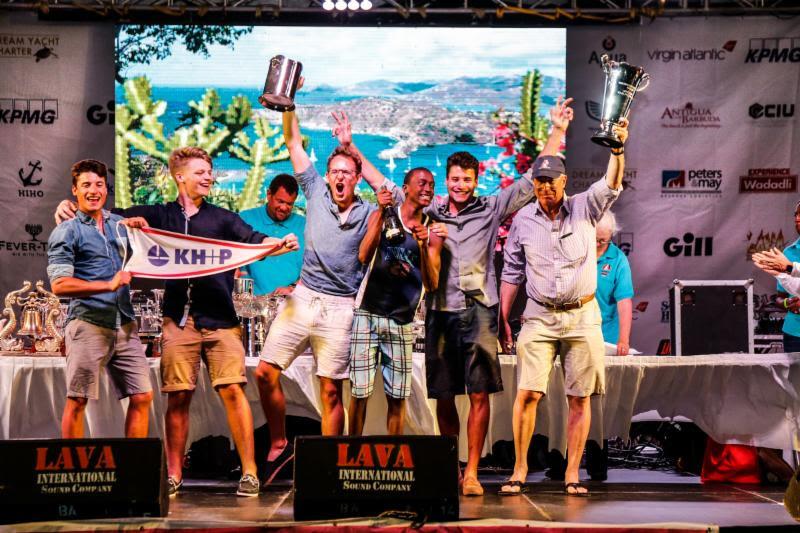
[580, 418]
[72, 418]
[176, 428]
[357, 413]
[330, 392]
[273, 401]
[240, 420]
[138, 416]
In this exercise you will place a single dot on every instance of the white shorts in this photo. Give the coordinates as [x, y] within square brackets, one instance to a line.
[322, 321]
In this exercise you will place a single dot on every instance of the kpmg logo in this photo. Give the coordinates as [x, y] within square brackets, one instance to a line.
[692, 54]
[30, 177]
[28, 111]
[768, 180]
[701, 181]
[21, 46]
[770, 111]
[689, 246]
[608, 44]
[99, 115]
[689, 116]
[159, 257]
[773, 50]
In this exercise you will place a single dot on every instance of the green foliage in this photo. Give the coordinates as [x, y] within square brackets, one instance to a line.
[532, 126]
[207, 125]
[140, 44]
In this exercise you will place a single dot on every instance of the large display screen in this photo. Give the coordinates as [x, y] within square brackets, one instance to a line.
[413, 95]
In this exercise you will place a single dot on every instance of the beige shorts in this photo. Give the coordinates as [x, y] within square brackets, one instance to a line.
[576, 336]
[322, 321]
[183, 348]
[91, 347]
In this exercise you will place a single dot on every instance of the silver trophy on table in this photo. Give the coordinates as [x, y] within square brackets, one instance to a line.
[623, 81]
[282, 79]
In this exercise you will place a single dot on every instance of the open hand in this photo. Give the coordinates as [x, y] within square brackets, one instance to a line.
[343, 130]
[561, 114]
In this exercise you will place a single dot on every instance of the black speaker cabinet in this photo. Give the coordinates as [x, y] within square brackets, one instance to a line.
[337, 477]
[709, 317]
[70, 479]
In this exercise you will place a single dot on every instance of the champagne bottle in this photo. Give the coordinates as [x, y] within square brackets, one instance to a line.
[392, 227]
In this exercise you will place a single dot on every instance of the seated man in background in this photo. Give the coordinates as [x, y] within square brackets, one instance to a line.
[276, 274]
[614, 286]
[85, 264]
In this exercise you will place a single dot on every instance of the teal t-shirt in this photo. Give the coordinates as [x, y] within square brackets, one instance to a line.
[273, 272]
[791, 324]
[614, 283]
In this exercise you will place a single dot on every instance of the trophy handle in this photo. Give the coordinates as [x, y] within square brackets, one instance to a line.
[606, 63]
[645, 81]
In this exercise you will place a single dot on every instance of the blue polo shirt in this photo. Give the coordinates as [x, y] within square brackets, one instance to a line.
[791, 324]
[614, 283]
[282, 270]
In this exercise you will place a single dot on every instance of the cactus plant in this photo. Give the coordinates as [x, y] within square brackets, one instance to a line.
[206, 125]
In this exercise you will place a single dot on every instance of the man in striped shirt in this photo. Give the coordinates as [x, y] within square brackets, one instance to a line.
[552, 245]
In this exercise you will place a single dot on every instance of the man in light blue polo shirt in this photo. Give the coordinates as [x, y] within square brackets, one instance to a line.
[277, 274]
[614, 286]
[791, 324]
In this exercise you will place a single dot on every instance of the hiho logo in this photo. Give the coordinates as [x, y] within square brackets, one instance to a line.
[689, 116]
[29, 176]
[38, 47]
[768, 180]
[98, 114]
[28, 111]
[158, 256]
[776, 111]
[689, 246]
[692, 54]
[773, 50]
[687, 182]
[608, 44]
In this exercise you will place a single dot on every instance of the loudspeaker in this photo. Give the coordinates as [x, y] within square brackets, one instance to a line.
[336, 477]
[69, 479]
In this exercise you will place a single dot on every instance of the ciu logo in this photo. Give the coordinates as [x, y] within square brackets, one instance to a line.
[689, 246]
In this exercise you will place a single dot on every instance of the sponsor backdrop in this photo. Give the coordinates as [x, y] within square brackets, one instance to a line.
[55, 91]
[713, 155]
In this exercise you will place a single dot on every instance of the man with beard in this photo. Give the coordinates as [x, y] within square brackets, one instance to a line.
[199, 318]
[319, 312]
[382, 329]
[277, 274]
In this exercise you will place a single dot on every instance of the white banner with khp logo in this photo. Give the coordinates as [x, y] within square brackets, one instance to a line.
[713, 156]
[160, 254]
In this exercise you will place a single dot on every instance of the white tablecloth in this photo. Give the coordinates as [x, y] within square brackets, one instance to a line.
[735, 398]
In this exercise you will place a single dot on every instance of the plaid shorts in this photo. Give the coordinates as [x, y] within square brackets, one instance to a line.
[374, 336]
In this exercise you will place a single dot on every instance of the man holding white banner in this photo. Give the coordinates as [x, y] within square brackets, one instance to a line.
[199, 317]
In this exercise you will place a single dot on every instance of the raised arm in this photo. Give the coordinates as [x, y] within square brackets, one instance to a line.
[343, 131]
[431, 240]
[294, 142]
[560, 117]
[374, 226]
[616, 163]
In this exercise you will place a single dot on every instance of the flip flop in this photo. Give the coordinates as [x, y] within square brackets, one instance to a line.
[522, 488]
[576, 487]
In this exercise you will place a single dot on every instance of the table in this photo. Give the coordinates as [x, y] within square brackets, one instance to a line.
[751, 399]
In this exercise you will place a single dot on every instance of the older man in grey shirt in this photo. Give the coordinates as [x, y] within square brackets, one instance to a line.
[552, 245]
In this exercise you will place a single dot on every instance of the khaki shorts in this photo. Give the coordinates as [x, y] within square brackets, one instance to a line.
[183, 348]
[322, 321]
[576, 336]
[91, 347]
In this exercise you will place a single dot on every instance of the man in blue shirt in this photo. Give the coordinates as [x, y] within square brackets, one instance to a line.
[614, 286]
[277, 274]
[85, 264]
[791, 324]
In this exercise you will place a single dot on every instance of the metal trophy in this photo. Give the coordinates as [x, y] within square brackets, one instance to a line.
[623, 81]
[282, 79]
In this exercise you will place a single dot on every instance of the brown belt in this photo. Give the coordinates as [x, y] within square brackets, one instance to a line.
[569, 306]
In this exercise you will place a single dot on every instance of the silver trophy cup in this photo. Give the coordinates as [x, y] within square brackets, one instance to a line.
[623, 81]
[282, 78]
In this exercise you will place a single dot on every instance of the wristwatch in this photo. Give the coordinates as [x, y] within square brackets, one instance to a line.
[789, 268]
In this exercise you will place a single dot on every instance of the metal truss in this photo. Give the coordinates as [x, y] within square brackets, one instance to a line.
[411, 12]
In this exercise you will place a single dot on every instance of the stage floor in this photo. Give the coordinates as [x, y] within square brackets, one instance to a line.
[628, 498]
